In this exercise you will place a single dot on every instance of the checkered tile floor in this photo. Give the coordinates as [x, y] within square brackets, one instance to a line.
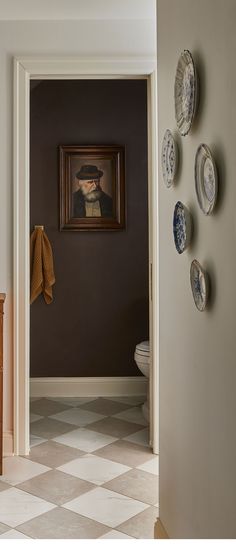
[90, 473]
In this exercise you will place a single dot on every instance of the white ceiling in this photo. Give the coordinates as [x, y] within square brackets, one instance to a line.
[77, 9]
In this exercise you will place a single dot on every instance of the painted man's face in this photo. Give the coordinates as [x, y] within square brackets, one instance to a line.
[91, 189]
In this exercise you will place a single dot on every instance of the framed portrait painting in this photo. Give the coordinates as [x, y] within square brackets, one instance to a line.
[92, 188]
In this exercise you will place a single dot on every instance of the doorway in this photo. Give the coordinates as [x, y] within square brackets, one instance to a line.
[36, 69]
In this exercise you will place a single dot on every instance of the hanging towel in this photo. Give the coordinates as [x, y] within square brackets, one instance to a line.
[41, 265]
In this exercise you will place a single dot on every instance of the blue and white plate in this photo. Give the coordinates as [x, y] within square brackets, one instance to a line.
[169, 158]
[185, 92]
[182, 227]
[206, 181]
[199, 285]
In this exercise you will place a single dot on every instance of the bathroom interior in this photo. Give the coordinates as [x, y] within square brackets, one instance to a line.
[100, 308]
[97, 324]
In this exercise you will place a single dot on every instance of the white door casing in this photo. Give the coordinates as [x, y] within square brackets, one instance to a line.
[72, 68]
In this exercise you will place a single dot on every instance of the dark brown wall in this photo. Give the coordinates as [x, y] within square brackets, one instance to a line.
[100, 307]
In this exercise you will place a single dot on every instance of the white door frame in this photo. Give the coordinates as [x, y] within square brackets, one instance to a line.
[27, 68]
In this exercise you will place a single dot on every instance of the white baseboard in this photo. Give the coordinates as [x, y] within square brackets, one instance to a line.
[87, 386]
[8, 443]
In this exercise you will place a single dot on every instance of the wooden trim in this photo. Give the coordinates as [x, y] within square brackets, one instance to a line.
[153, 260]
[26, 68]
[159, 530]
[2, 299]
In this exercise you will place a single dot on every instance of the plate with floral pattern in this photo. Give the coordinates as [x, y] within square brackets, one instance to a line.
[169, 158]
[185, 92]
[199, 285]
[206, 181]
[182, 227]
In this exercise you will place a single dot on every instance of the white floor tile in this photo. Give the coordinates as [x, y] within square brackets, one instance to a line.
[78, 417]
[18, 507]
[133, 415]
[35, 417]
[106, 506]
[113, 534]
[17, 469]
[151, 466]
[13, 534]
[35, 441]
[85, 440]
[94, 469]
[140, 437]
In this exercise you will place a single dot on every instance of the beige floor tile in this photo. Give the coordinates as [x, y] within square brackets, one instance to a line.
[141, 526]
[123, 451]
[136, 484]
[34, 440]
[49, 428]
[63, 524]
[53, 454]
[34, 417]
[133, 414]
[17, 469]
[13, 534]
[105, 406]
[140, 437]
[113, 534]
[115, 427]
[56, 487]
[46, 407]
[4, 486]
[3, 527]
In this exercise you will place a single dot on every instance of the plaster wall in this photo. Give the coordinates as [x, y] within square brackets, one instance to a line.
[197, 350]
[110, 38]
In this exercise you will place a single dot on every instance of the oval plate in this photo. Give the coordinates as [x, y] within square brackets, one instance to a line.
[206, 181]
[199, 285]
[169, 158]
[182, 227]
[185, 92]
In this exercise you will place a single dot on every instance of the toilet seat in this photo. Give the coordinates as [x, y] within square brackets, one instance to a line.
[143, 361]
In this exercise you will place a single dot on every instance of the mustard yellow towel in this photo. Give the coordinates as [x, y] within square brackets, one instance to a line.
[41, 266]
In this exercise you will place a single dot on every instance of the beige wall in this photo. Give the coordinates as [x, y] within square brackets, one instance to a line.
[198, 350]
[94, 38]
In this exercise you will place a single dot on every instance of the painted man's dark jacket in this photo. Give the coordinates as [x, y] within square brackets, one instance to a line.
[79, 205]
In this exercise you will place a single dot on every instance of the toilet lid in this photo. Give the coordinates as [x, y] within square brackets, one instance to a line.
[143, 347]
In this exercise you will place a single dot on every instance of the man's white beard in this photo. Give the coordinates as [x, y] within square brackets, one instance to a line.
[95, 195]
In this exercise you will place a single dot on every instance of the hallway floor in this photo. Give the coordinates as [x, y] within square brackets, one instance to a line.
[90, 473]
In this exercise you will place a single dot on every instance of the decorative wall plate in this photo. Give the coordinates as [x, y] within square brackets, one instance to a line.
[206, 182]
[182, 227]
[185, 92]
[199, 285]
[169, 158]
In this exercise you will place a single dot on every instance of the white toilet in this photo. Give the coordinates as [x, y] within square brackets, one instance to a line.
[142, 359]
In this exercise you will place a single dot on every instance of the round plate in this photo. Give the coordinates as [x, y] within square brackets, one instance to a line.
[169, 158]
[199, 285]
[206, 183]
[181, 227]
[185, 92]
